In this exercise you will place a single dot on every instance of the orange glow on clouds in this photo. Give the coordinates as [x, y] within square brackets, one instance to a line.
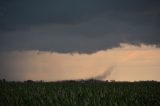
[130, 63]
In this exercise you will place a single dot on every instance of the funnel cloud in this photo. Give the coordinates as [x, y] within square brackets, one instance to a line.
[105, 74]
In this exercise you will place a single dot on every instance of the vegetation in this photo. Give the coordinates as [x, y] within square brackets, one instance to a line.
[79, 93]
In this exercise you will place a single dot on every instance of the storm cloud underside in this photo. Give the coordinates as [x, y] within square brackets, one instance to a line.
[77, 25]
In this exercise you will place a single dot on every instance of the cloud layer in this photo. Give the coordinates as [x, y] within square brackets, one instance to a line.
[77, 25]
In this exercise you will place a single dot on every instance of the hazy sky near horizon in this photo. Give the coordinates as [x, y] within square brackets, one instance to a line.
[76, 39]
[128, 62]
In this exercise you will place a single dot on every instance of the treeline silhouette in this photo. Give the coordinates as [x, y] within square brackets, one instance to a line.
[77, 81]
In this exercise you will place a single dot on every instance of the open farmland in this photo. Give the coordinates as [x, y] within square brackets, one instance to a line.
[80, 93]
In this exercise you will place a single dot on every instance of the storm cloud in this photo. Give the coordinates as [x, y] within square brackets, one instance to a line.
[84, 26]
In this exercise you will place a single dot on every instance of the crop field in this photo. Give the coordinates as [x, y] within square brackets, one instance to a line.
[80, 93]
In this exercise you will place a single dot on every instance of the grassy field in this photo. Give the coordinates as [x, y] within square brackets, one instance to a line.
[80, 93]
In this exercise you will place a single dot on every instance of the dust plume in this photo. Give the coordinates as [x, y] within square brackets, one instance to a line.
[105, 74]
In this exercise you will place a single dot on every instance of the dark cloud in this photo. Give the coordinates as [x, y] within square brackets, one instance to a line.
[77, 25]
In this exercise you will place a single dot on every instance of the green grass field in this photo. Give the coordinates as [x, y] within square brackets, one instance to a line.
[87, 93]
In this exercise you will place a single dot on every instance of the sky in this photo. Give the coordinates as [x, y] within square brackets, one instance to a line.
[80, 39]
